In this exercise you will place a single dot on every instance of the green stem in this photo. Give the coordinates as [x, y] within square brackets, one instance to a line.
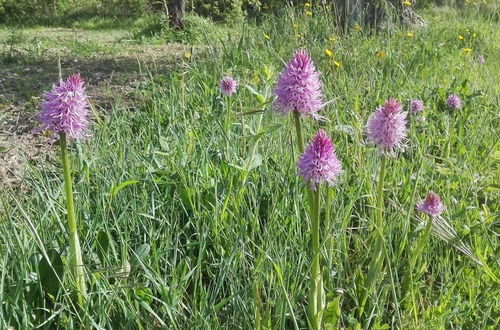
[316, 286]
[300, 144]
[258, 306]
[421, 244]
[76, 262]
[227, 121]
[298, 129]
[380, 196]
[329, 225]
[378, 255]
[416, 254]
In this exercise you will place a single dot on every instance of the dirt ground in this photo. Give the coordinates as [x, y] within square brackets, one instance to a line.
[112, 70]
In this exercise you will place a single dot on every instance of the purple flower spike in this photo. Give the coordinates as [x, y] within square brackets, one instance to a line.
[319, 162]
[416, 106]
[386, 127]
[299, 88]
[228, 85]
[432, 205]
[65, 108]
[454, 101]
[480, 59]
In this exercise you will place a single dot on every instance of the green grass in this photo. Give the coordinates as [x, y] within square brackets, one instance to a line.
[215, 227]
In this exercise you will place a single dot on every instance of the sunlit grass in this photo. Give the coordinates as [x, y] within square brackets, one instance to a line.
[186, 226]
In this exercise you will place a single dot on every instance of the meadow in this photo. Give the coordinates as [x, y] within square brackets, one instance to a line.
[191, 214]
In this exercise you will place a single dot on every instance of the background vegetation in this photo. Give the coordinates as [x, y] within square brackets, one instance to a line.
[186, 227]
[57, 12]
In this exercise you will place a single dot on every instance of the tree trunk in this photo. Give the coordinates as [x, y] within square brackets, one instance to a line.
[176, 10]
[371, 13]
[366, 12]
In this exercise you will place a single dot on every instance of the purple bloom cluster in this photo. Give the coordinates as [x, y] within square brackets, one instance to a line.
[299, 87]
[416, 106]
[65, 108]
[319, 162]
[228, 85]
[386, 127]
[453, 101]
[432, 205]
[480, 59]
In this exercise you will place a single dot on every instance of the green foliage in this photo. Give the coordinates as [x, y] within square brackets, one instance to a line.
[51, 271]
[187, 227]
[197, 30]
[235, 14]
[57, 12]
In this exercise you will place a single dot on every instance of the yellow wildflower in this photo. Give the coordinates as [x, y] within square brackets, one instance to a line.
[357, 27]
[295, 25]
[407, 3]
[307, 4]
[186, 55]
[328, 52]
[267, 36]
[467, 50]
[298, 35]
[380, 54]
[308, 13]
[474, 35]
[331, 39]
[410, 34]
[336, 64]
[460, 37]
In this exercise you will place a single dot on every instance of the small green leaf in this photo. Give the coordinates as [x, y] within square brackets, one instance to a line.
[332, 312]
[122, 185]
[492, 187]
[253, 161]
[141, 253]
[164, 143]
[261, 98]
[144, 294]
[102, 245]
[51, 273]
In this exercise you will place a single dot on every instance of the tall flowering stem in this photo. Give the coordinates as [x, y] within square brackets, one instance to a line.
[318, 164]
[316, 291]
[65, 111]
[76, 261]
[378, 256]
[315, 286]
[298, 91]
[386, 128]
[228, 86]
[433, 207]
[380, 194]
[377, 260]
[298, 131]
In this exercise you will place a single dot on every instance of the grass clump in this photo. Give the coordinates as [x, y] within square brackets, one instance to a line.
[198, 30]
[189, 221]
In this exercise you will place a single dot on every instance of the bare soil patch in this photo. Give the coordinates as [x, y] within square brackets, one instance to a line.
[24, 77]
